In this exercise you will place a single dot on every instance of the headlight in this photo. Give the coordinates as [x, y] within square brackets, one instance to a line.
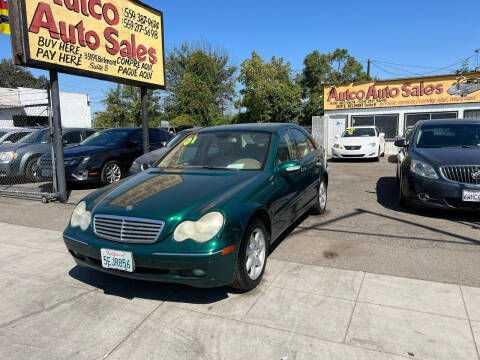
[338, 146]
[373, 144]
[8, 156]
[202, 230]
[81, 217]
[136, 166]
[422, 169]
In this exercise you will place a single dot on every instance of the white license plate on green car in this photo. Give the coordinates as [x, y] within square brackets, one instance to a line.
[471, 195]
[118, 260]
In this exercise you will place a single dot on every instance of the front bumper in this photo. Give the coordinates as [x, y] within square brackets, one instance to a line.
[440, 193]
[152, 265]
[8, 169]
[362, 153]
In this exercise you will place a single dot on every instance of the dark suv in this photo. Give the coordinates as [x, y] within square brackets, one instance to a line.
[105, 156]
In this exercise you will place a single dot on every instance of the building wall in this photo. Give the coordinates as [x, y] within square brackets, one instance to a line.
[335, 123]
[75, 108]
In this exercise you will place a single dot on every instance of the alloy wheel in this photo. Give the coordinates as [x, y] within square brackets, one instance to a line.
[113, 173]
[322, 195]
[256, 252]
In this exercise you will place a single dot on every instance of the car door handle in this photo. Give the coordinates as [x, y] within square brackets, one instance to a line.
[293, 168]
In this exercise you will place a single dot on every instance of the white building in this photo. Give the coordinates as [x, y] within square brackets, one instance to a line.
[393, 105]
[29, 107]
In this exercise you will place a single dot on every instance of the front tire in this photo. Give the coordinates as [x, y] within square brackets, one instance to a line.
[252, 257]
[111, 172]
[31, 169]
[321, 203]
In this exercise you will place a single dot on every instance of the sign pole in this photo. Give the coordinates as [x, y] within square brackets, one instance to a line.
[144, 116]
[57, 137]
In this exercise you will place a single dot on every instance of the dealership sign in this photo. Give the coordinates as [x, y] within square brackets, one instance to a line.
[115, 40]
[448, 89]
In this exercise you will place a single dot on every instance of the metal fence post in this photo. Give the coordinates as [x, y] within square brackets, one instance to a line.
[57, 137]
[144, 112]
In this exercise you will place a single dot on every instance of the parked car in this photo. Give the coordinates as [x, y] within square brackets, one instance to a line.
[402, 151]
[464, 87]
[207, 213]
[21, 158]
[360, 142]
[145, 161]
[12, 135]
[106, 156]
[441, 168]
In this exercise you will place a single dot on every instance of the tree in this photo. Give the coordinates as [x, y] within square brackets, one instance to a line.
[333, 68]
[200, 82]
[269, 93]
[13, 76]
[122, 107]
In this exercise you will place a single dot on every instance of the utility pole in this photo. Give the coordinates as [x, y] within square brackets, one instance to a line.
[369, 63]
[144, 116]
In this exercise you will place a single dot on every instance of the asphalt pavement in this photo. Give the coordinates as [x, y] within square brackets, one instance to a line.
[364, 229]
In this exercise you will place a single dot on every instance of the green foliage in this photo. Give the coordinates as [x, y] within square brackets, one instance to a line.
[13, 76]
[269, 93]
[465, 67]
[183, 120]
[200, 82]
[333, 68]
[122, 107]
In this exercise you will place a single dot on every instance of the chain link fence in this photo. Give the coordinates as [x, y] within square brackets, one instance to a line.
[26, 143]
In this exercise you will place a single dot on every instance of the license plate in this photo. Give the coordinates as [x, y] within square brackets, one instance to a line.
[118, 260]
[471, 195]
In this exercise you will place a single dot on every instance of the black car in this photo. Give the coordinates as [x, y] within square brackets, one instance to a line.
[146, 160]
[441, 168]
[21, 158]
[105, 156]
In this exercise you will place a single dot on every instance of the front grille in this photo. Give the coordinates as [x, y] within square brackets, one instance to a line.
[127, 230]
[352, 156]
[462, 173]
[353, 147]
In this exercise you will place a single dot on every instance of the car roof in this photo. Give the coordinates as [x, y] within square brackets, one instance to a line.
[266, 127]
[363, 127]
[448, 122]
[15, 130]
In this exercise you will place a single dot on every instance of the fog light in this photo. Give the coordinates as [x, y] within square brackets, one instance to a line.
[424, 197]
[81, 175]
[198, 272]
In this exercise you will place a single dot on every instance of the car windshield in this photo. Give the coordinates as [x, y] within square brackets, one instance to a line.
[359, 132]
[176, 139]
[107, 138]
[37, 137]
[451, 135]
[220, 150]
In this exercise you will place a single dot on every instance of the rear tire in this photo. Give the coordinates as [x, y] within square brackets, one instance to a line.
[252, 256]
[320, 205]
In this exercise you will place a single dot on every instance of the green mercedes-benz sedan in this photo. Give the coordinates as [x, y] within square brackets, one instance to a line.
[205, 214]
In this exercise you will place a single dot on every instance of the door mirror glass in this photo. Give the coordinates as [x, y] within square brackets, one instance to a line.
[401, 143]
[289, 167]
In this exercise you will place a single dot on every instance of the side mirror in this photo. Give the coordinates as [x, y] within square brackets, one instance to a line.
[289, 167]
[402, 143]
[382, 134]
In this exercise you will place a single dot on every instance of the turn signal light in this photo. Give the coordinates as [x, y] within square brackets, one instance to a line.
[228, 250]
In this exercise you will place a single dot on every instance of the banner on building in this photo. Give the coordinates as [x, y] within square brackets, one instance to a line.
[115, 40]
[4, 23]
[448, 89]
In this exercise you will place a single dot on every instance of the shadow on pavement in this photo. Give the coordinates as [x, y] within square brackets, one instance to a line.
[149, 290]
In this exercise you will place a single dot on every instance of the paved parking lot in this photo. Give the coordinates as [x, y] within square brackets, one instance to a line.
[364, 229]
[52, 309]
[328, 292]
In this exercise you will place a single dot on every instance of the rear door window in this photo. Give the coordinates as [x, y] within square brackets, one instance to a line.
[302, 145]
[286, 148]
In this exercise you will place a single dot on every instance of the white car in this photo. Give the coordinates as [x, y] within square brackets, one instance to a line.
[365, 142]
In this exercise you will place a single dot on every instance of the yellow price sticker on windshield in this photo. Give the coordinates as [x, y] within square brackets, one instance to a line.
[350, 131]
[96, 134]
[190, 141]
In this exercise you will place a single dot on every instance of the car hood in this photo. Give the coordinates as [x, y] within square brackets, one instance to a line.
[151, 156]
[361, 140]
[172, 196]
[80, 150]
[447, 156]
